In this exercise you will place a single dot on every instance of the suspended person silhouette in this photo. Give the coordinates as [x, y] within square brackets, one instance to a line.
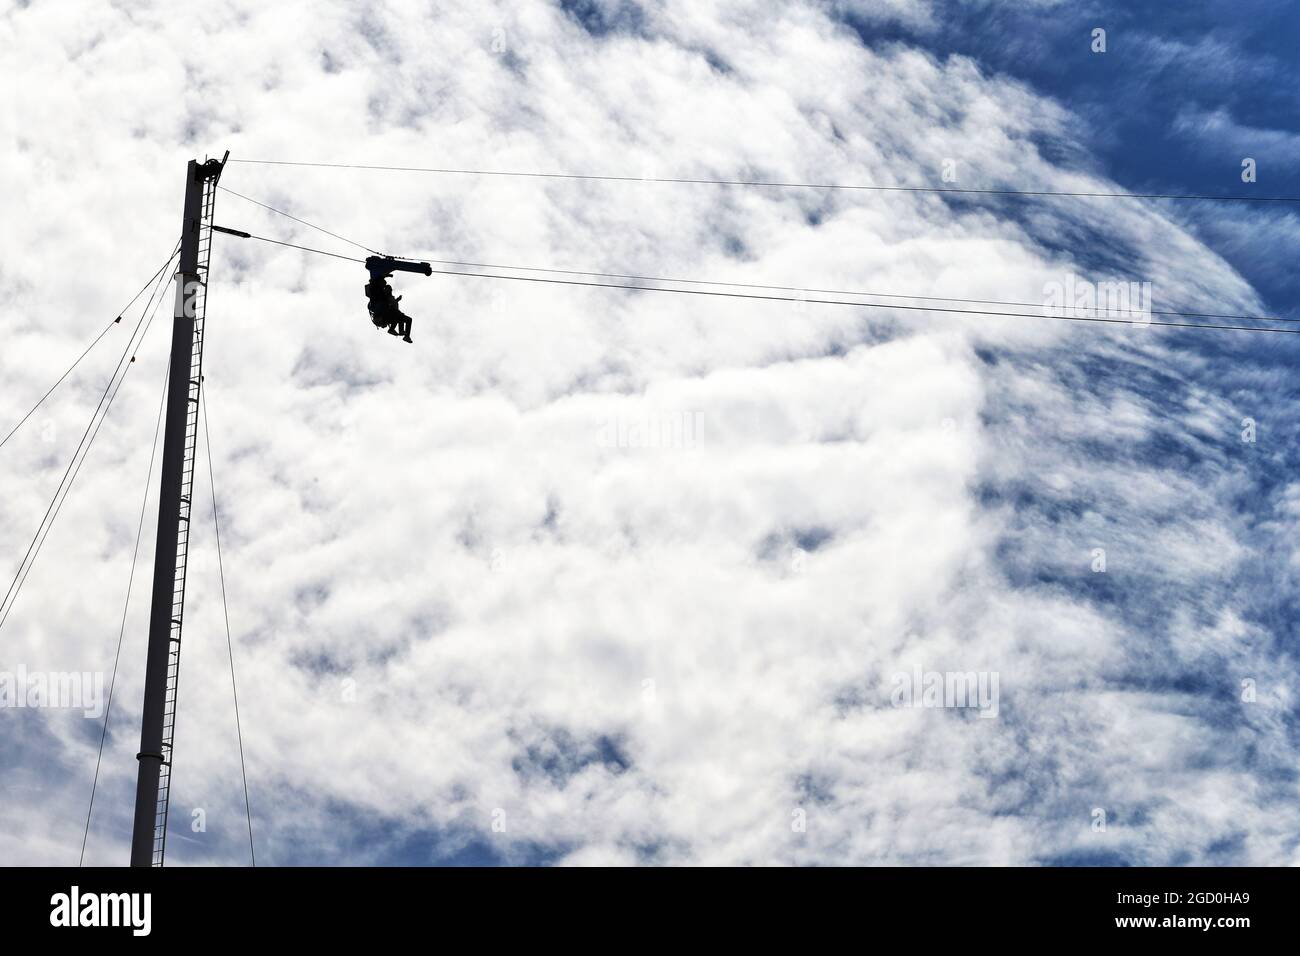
[401, 322]
[384, 313]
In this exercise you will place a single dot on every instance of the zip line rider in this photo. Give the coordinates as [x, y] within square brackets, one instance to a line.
[381, 303]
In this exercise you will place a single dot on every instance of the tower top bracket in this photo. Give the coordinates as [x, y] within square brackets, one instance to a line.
[212, 168]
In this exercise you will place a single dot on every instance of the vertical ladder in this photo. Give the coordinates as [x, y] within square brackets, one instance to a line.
[195, 379]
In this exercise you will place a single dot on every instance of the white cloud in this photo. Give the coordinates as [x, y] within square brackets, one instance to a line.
[1219, 129]
[444, 525]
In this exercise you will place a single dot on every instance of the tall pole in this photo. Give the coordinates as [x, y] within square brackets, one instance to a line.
[170, 551]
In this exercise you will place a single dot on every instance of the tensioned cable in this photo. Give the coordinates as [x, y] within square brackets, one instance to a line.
[311, 225]
[774, 184]
[812, 301]
[87, 440]
[878, 295]
[869, 305]
[77, 471]
[319, 252]
[116, 321]
[753, 285]
[130, 581]
[225, 610]
[82, 443]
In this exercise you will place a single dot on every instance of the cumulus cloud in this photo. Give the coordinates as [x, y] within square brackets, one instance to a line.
[599, 577]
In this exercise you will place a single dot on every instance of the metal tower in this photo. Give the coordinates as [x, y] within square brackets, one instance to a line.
[167, 613]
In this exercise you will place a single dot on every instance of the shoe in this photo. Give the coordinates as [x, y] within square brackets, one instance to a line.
[406, 338]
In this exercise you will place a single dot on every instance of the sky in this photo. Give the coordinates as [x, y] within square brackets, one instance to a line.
[598, 577]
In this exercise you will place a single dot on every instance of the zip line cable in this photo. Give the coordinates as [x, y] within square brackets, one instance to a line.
[741, 285]
[296, 219]
[225, 610]
[130, 581]
[789, 288]
[319, 252]
[869, 305]
[773, 184]
[116, 321]
[812, 301]
[87, 440]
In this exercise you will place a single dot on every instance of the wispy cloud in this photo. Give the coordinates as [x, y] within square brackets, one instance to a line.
[588, 576]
